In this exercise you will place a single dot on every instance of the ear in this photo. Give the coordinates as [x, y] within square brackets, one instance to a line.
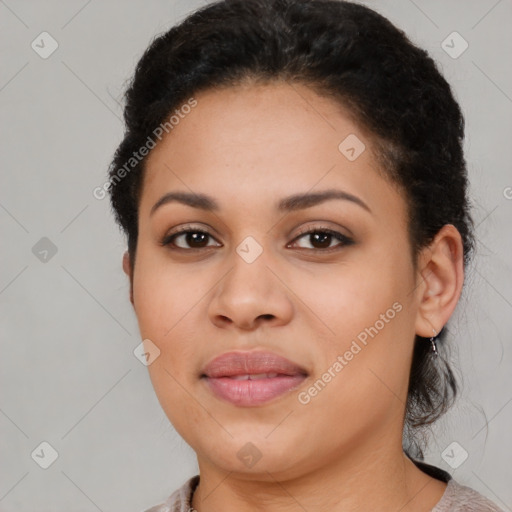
[128, 270]
[441, 275]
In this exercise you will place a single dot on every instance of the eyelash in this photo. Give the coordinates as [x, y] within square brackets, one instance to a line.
[343, 239]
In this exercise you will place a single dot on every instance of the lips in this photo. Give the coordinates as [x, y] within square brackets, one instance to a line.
[252, 364]
[252, 378]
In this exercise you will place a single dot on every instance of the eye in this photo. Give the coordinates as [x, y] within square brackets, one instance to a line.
[323, 239]
[320, 239]
[188, 238]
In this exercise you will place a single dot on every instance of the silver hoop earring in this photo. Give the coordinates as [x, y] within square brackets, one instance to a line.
[433, 343]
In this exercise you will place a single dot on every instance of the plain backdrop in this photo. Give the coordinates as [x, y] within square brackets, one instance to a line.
[69, 377]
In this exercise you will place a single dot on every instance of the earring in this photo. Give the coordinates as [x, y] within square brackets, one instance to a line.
[433, 343]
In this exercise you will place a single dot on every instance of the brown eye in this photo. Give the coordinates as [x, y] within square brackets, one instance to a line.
[322, 239]
[190, 239]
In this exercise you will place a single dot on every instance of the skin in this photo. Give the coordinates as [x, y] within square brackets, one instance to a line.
[248, 147]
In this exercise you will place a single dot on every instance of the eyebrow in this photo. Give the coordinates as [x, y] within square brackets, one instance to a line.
[290, 203]
[307, 200]
[201, 201]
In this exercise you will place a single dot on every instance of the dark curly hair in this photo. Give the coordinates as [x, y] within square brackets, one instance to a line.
[353, 55]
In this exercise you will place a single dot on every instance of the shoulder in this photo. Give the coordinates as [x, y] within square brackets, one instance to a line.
[459, 498]
[180, 500]
[456, 498]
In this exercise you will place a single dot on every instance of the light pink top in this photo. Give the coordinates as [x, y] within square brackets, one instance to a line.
[456, 498]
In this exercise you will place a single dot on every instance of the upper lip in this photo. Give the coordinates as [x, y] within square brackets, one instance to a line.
[232, 364]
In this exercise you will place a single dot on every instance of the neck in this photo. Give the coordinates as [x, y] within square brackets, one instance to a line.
[385, 479]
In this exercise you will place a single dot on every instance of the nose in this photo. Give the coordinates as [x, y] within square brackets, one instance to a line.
[250, 295]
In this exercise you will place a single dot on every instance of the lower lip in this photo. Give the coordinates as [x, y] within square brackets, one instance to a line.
[247, 393]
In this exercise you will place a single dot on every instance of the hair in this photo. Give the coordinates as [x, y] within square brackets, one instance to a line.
[353, 55]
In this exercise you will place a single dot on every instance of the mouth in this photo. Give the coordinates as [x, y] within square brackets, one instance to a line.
[256, 376]
[252, 378]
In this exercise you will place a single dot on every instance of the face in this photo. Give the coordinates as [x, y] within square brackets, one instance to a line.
[324, 280]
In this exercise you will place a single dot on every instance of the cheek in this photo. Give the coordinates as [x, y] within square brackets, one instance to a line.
[365, 309]
[163, 295]
[163, 299]
[343, 300]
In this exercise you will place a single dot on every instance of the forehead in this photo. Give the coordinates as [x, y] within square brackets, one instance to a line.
[246, 143]
[253, 120]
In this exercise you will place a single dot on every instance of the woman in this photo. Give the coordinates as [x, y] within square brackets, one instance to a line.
[293, 190]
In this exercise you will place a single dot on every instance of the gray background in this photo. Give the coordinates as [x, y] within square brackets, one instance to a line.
[68, 373]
